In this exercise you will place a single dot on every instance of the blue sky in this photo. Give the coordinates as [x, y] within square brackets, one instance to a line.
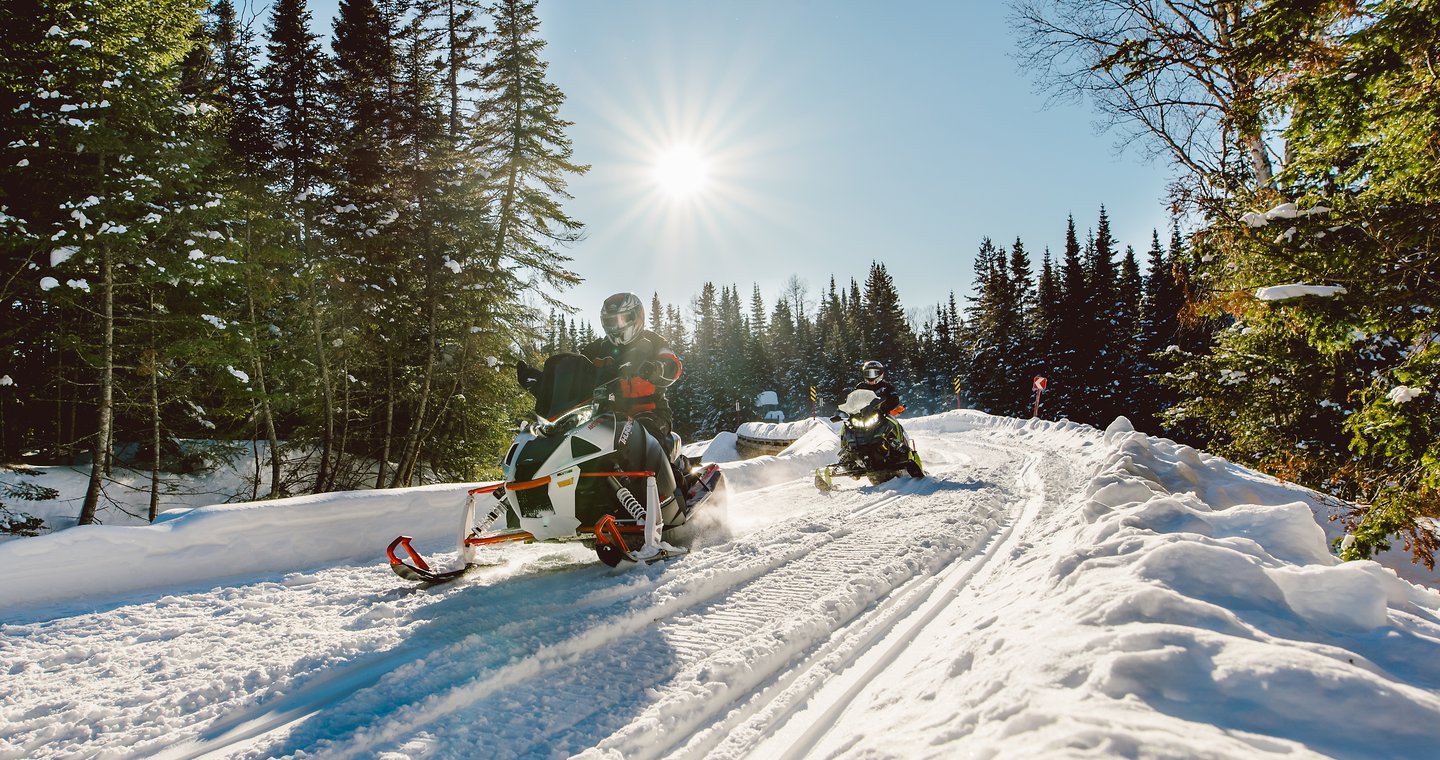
[834, 132]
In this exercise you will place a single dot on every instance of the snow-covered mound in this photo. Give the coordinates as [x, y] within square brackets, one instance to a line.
[719, 449]
[196, 547]
[1047, 591]
[781, 431]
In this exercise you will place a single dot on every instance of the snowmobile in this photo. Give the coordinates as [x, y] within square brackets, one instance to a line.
[872, 445]
[578, 473]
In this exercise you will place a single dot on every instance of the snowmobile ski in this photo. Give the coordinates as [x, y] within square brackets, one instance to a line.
[612, 549]
[420, 572]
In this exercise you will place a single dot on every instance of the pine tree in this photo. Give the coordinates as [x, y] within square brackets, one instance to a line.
[1047, 319]
[887, 335]
[110, 143]
[1336, 392]
[528, 156]
[1067, 395]
[1130, 370]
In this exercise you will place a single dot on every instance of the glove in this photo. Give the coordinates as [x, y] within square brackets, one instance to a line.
[645, 370]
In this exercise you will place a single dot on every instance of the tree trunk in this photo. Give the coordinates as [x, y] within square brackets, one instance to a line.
[406, 467]
[389, 422]
[105, 407]
[322, 475]
[266, 414]
[154, 431]
[452, 82]
[154, 368]
[344, 439]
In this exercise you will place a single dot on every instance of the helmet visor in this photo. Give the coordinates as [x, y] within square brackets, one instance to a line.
[621, 328]
[617, 321]
[873, 373]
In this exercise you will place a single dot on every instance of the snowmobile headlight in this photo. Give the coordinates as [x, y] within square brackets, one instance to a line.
[867, 421]
[584, 415]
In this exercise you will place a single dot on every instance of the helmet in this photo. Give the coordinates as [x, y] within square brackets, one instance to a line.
[622, 316]
[872, 370]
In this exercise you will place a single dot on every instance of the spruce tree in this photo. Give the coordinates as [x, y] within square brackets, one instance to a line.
[887, 335]
[528, 156]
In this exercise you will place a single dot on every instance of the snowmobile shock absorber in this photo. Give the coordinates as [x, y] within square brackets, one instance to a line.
[628, 500]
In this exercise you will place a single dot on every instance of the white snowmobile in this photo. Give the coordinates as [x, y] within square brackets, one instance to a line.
[872, 445]
[579, 473]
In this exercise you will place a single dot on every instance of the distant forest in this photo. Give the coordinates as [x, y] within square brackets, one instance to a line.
[1101, 328]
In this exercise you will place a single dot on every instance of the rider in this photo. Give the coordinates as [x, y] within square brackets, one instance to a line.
[874, 381]
[640, 359]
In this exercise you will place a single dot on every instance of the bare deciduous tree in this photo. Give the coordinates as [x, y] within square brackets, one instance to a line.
[1162, 71]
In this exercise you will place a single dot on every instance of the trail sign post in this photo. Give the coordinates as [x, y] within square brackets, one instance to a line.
[812, 402]
[957, 393]
[1038, 384]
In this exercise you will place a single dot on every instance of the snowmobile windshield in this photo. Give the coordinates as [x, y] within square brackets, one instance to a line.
[858, 401]
[568, 381]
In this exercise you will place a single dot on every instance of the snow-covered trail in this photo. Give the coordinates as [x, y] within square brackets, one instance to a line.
[657, 660]
[681, 658]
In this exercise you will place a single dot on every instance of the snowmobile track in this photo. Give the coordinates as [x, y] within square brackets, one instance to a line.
[813, 704]
[777, 682]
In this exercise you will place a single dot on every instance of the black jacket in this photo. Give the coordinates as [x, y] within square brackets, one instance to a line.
[889, 399]
[652, 367]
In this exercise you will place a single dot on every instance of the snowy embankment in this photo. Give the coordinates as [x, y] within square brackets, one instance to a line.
[1046, 591]
[197, 547]
[758, 438]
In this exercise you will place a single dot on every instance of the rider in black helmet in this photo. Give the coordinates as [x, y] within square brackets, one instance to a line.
[641, 360]
[873, 373]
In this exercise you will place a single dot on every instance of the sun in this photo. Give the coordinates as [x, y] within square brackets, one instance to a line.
[681, 171]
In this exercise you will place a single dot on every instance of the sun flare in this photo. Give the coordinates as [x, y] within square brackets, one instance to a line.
[681, 171]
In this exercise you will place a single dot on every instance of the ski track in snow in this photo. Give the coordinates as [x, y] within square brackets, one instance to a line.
[708, 655]
[655, 661]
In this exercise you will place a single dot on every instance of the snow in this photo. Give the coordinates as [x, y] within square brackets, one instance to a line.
[1298, 290]
[1255, 220]
[1403, 393]
[781, 431]
[49, 283]
[1049, 590]
[240, 375]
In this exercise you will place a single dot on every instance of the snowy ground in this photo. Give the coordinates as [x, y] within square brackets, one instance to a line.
[1049, 591]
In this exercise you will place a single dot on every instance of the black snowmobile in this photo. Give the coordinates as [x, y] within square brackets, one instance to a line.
[579, 473]
[872, 445]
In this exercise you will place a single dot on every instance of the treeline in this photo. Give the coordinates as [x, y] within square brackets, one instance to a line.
[213, 230]
[1101, 328]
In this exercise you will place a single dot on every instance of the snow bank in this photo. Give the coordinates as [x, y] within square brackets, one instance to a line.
[782, 431]
[817, 447]
[719, 449]
[1178, 595]
[200, 546]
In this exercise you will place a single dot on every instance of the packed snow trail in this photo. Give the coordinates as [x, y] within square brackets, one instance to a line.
[1046, 591]
[655, 653]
